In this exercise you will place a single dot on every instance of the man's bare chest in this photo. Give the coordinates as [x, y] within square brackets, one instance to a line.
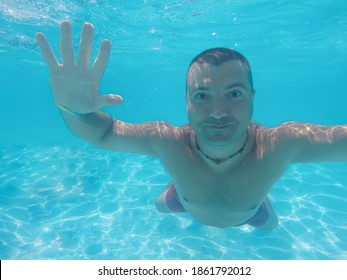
[240, 187]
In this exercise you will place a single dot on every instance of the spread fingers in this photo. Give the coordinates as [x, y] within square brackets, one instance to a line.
[46, 51]
[66, 47]
[100, 63]
[85, 48]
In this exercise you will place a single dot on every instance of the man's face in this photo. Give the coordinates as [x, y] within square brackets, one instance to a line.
[220, 101]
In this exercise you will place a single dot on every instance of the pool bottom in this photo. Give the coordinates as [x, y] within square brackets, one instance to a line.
[78, 202]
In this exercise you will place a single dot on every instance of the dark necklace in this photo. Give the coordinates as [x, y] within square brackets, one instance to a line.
[221, 160]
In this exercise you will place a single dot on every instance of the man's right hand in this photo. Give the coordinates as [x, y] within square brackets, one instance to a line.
[76, 86]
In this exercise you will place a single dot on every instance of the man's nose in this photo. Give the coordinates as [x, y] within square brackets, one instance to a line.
[218, 110]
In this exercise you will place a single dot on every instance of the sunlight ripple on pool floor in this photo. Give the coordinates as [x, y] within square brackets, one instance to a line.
[77, 202]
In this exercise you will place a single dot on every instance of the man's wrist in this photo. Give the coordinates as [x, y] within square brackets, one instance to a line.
[67, 110]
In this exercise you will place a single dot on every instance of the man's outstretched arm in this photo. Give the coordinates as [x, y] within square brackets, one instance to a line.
[307, 142]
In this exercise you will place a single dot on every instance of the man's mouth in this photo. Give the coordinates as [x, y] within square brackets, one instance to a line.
[219, 126]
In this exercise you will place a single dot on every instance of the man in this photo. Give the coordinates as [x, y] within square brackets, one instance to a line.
[223, 164]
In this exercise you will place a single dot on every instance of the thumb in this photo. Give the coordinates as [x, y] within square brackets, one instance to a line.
[108, 100]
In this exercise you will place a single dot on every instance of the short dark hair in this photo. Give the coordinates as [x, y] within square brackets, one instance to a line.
[217, 56]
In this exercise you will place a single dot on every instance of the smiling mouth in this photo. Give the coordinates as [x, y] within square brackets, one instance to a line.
[219, 126]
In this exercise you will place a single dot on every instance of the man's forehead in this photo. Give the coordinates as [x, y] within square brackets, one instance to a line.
[207, 72]
[211, 70]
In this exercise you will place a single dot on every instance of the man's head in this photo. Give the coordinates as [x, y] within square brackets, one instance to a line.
[220, 95]
[217, 56]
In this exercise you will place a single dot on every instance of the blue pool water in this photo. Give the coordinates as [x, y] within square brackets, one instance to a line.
[63, 199]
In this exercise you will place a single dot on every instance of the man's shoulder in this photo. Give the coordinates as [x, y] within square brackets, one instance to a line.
[172, 140]
[184, 133]
[284, 129]
[170, 133]
[279, 142]
[185, 129]
[290, 129]
[286, 137]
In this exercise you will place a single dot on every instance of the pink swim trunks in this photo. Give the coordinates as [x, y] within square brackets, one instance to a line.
[174, 203]
[260, 217]
[172, 200]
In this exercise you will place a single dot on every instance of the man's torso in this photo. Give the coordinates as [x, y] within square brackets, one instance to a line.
[228, 194]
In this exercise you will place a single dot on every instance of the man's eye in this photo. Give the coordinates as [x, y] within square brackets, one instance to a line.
[201, 96]
[235, 94]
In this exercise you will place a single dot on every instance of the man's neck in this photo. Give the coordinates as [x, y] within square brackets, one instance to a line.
[219, 154]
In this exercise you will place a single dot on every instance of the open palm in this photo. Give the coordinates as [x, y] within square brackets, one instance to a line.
[76, 86]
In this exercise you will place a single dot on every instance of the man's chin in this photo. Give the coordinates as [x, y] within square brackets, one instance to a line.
[217, 140]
